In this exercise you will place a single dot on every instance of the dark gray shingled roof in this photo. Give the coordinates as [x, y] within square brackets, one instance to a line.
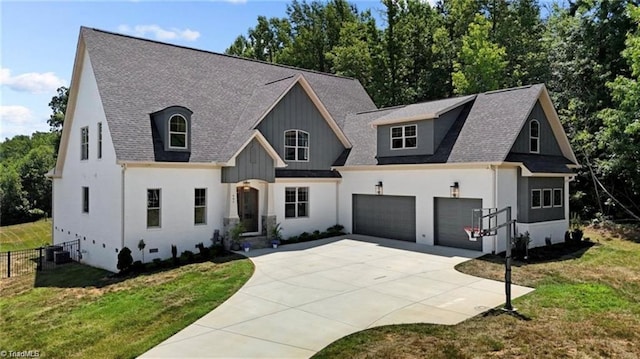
[424, 108]
[493, 124]
[541, 163]
[363, 137]
[137, 77]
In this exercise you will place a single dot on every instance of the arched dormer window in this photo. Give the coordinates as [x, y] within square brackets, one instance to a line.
[178, 132]
[296, 145]
[534, 136]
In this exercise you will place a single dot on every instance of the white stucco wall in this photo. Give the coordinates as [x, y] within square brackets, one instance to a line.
[177, 209]
[507, 195]
[98, 230]
[539, 231]
[322, 207]
[425, 184]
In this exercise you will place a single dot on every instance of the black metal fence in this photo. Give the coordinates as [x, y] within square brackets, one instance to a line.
[25, 261]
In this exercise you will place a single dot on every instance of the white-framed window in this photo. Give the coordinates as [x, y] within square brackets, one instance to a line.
[85, 199]
[557, 197]
[84, 143]
[534, 136]
[200, 206]
[547, 199]
[99, 139]
[177, 132]
[296, 145]
[536, 198]
[153, 207]
[296, 202]
[404, 137]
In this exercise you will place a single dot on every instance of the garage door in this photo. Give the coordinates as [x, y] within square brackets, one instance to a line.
[385, 216]
[451, 216]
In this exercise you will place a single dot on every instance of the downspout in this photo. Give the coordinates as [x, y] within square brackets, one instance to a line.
[495, 204]
[122, 214]
[338, 202]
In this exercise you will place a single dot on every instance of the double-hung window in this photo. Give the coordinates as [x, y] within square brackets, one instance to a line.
[557, 197]
[177, 132]
[547, 198]
[404, 137]
[536, 198]
[153, 208]
[296, 202]
[200, 206]
[296, 145]
[534, 136]
[84, 143]
[99, 139]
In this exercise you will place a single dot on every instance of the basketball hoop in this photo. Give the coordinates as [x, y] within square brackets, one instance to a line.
[473, 233]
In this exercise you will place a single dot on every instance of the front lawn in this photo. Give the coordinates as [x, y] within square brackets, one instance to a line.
[78, 311]
[586, 305]
[25, 235]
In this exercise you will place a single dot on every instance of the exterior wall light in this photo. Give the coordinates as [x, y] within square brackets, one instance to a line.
[245, 186]
[379, 188]
[455, 190]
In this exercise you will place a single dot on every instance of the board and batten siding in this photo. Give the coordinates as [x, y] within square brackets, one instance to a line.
[296, 111]
[548, 142]
[253, 162]
[526, 214]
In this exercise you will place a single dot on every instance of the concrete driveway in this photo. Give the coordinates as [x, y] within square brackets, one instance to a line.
[304, 296]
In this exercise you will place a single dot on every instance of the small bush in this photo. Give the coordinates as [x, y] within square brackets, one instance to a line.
[188, 256]
[157, 263]
[174, 254]
[205, 253]
[304, 236]
[293, 239]
[335, 230]
[216, 250]
[125, 260]
[137, 267]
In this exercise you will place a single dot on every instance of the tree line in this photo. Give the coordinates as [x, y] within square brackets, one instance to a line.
[587, 52]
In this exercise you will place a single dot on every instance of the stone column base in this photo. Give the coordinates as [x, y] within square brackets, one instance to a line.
[227, 224]
[268, 223]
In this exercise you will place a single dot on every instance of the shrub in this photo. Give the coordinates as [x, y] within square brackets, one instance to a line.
[216, 250]
[188, 256]
[137, 267]
[174, 254]
[335, 230]
[304, 236]
[205, 253]
[157, 262]
[293, 239]
[124, 260]
[315, 235]
[521, 245]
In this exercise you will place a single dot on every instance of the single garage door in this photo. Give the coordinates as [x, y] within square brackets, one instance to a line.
[385, 216]
[451, 216]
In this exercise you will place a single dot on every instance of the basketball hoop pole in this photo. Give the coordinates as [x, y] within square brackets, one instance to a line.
[507, 263]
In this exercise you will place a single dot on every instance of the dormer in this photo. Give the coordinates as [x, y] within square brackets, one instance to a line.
[417, 130]
[174, 127]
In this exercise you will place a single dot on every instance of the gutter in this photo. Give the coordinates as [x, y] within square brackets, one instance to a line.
[495, 204]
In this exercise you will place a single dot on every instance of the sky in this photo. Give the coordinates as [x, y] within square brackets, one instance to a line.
[38, 42]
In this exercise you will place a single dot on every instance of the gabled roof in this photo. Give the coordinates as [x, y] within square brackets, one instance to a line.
[422, 111]
[137, 77]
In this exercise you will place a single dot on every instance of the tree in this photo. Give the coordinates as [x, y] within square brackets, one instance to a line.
[37, 188]
[480, 64]
[58, 105]
[13, 204]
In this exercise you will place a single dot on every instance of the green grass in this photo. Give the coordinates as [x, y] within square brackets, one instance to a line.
[77, 311]
[586, 305]
[25, 235]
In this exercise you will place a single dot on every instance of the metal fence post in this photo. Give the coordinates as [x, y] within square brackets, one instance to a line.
[9, 264]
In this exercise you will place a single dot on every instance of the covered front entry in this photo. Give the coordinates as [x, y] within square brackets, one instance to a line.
[385, 216]
[248, 208]
[451, 216]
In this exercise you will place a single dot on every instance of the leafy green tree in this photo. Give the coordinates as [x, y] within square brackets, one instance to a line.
[14, 207]
[481, 63]
[32, 170]
[58, 105]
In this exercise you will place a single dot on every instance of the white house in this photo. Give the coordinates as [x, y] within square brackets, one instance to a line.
[168, 144]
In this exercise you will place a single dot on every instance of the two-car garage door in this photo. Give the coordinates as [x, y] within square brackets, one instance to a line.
[385, 216]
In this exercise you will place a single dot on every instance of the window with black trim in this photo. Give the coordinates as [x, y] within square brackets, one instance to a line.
[404, 137]
[536, 200]
[177, 132]
[153, 208]
[85, 199]
[296, 145]
[200, 206]
[547, 198]
[99, 139]
[84, 143]
[296, 202]
[534, 136]
[557, 197]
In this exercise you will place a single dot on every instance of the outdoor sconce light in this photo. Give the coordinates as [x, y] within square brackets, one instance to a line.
[455, 190]
[379, 188]
[245, 186]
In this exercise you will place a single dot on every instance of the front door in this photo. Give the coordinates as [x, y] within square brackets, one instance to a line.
[248, 208]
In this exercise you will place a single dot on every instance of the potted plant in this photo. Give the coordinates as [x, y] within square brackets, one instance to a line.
[276, 235]
[246, 246]
[235, 232]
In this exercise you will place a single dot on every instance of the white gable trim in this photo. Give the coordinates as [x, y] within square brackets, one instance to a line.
[556, 125]
[81, 53]
[279, 163]
[316, 101]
